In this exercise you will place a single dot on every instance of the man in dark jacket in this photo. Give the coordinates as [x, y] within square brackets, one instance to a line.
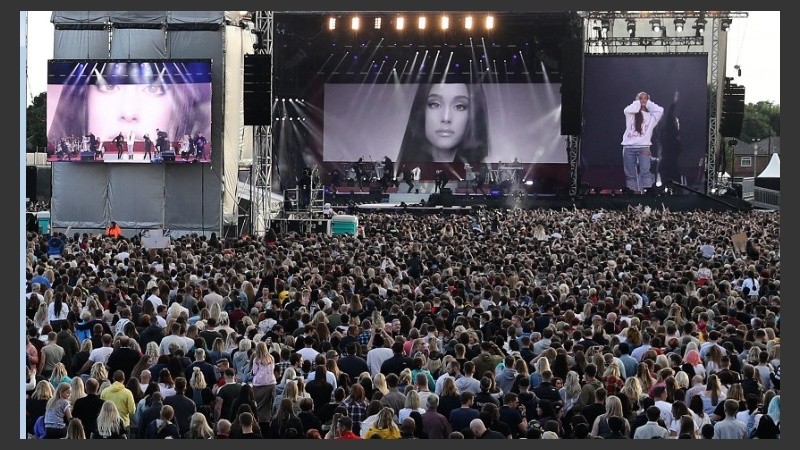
[153, 333]
[150, 413]
[183, 406]
[397, 362]
[88, 408]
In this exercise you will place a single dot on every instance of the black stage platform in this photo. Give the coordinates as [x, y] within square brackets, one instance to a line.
[456, 204]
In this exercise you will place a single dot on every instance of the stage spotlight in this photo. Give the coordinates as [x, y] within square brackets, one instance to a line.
[355, 23]
[656, 24]
[445, 22]
[332, 23]
[679, 25]
[378, 22]
[597, 30]
[725, 24]
[400, 23]
[489, 22]
[699, 26]
[421, 22]
[468, 22]
[631, 25]
[529, 183]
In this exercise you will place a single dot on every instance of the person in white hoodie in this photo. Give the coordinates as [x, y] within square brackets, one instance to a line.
[641, 118]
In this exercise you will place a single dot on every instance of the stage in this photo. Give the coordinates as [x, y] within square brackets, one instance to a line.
[464, 203]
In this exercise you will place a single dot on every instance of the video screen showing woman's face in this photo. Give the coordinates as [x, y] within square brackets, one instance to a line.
[121, 108]
[446, 114]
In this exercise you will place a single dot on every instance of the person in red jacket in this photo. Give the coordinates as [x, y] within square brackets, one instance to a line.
[114, 230]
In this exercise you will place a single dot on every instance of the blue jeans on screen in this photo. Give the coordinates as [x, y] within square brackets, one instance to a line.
[636, 162]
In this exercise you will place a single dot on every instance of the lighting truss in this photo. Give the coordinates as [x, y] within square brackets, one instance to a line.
[648, 41]
[663, 14]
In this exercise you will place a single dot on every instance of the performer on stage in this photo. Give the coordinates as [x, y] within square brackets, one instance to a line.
[200, 146]
[641, 118]
[358, 171]
[161, 142]
[304, 188]
[131, 140]
[118, 142]
[481, 177]
[148, 147]
[408, 177]
[441, 180]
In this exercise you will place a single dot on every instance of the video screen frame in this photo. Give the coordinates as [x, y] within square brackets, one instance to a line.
[129, 110]
[678, 85]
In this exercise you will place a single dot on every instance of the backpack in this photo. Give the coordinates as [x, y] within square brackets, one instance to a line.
[38, 428]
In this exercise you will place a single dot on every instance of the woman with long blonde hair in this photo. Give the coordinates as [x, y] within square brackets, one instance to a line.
[713, 395]
[36, 404]
[198, 428]
[541, 365]
[613, 408]
[58, 413]
[631, 392]
[77, 390]
[75, 429]
[214, 311]
[217, 350]
[59, 375]
[384, 426]
[250, 293]
[379, 383]
[263, 370]
[100, 373]
[412, 404]
[646, 380]
[109, 423]
[40, 317]
[571, 391]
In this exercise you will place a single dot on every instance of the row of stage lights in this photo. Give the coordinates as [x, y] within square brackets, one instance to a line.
[445, 22]
[658, 27]
[283, 100]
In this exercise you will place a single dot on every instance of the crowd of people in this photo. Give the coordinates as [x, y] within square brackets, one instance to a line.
[539, 324]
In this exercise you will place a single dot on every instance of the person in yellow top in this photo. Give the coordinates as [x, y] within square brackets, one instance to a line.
[114, 230]
[121, 396]
[384, 427]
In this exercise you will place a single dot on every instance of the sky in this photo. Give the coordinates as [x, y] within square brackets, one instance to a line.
[753, 45]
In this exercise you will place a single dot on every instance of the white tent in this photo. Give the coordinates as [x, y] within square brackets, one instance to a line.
[770, 177]
[773, 169]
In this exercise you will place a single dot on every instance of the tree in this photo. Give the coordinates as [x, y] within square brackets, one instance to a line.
[760, 121]
[36, 124]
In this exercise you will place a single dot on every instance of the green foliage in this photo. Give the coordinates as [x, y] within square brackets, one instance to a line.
[761, 120]
[36, 123]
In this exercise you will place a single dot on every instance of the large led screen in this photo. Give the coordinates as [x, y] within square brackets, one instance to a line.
[635, 144]
[129, 111]
[452, 122]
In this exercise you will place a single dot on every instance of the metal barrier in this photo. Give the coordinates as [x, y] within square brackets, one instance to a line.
[766, 198]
